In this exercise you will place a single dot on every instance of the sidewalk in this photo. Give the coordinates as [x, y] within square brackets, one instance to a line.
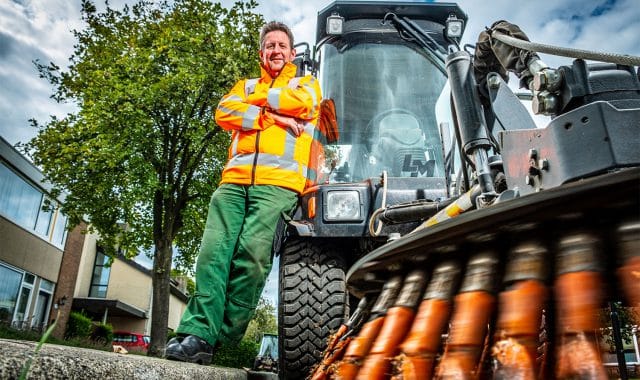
[62, 362]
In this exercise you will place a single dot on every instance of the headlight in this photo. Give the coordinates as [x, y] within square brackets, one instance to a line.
[334, 24]
[343, 205]
[454, 27]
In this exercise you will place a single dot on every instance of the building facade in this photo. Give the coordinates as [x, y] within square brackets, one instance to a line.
[46, 272]
[32, 242]
[119, 291]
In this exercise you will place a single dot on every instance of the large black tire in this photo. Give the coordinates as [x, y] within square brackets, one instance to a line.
[312, 304]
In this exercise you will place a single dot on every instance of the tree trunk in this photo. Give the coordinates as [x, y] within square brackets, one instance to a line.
[160, 307]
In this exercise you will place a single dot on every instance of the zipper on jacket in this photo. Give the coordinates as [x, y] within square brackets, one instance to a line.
[255, 157]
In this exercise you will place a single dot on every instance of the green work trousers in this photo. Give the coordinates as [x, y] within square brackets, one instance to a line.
[235, 259]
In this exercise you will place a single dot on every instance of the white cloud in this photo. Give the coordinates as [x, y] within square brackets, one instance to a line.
[42, 25]
[41, 29]
[31, 30]
[567, 23]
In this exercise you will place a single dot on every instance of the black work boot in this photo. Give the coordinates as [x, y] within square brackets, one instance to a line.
[191, 349]
[175, 340]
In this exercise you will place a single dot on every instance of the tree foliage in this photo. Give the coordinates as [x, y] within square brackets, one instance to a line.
[188, 281]
[241, 355]
[627, 318]
[142, 154]
[244, 353]
[263, 322]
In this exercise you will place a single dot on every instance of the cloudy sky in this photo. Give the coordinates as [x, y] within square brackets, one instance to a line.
[41, 29]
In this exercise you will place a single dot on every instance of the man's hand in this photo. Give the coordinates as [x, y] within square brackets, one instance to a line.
[290, 122]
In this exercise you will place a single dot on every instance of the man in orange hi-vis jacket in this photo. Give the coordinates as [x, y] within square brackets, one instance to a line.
[273, 122]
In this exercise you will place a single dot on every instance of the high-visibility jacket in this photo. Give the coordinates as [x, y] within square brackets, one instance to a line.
[263, 152]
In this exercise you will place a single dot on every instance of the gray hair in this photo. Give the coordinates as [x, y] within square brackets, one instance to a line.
[273, 26]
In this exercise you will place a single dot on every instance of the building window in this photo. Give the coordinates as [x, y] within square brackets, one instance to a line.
[19, 201]
[100, 277]
[26, 205]
[17, 295]
[10, 280]
[59, 229]
[43, 304]
[24, 301]
[43, 223]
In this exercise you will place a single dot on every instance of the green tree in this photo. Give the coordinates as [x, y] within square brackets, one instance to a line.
[142, 154]
[627, 318]
[263, 321]
[243, 354]
[188, 281]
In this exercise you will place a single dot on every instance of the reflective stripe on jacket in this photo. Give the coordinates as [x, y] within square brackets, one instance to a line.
[263, 152]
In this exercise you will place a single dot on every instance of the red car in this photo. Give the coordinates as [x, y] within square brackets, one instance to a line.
[131, 341]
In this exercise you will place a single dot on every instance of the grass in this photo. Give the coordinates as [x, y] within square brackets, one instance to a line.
[27, 366]
[7, 332]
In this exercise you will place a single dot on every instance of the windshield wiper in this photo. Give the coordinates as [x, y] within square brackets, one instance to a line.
[410, 31]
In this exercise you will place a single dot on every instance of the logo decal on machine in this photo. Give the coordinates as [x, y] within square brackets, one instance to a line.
[417, 167]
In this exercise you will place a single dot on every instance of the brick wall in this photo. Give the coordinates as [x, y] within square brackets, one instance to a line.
[67, 279]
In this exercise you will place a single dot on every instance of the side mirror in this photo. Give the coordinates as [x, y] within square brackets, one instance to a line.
[303, 59]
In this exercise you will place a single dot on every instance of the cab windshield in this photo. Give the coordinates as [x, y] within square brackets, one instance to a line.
[385, 91]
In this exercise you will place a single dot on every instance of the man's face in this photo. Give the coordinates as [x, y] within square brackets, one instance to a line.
[276, 52]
